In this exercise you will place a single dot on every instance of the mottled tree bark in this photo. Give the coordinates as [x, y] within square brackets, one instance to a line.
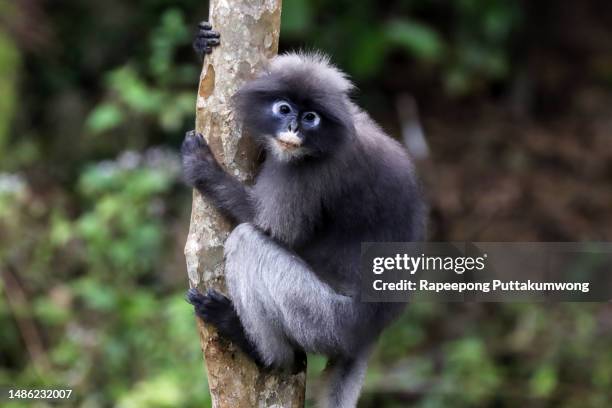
[249, 35]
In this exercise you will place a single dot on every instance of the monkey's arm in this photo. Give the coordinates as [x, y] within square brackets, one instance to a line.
[201, 171]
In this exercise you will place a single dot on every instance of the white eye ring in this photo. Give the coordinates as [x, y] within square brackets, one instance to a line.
[281, 108]
[311, 118]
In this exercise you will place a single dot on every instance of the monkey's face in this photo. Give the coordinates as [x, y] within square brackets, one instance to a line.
[293, 130]
[296, 115]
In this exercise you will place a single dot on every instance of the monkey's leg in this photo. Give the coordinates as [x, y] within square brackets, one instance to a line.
[202, 171]
[281, 302]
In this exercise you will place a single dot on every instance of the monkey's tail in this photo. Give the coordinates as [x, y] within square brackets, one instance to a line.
[343, 379]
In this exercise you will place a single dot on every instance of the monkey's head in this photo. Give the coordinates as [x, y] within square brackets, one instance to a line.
[298, 109]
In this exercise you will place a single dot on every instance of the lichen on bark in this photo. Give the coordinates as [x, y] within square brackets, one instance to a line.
[249, 36]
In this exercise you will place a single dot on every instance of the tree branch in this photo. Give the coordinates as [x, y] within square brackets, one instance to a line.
[249, 35]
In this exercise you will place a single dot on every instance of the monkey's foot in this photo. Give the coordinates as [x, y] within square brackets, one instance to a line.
[217, 309]
[213, 307]
[205, 39]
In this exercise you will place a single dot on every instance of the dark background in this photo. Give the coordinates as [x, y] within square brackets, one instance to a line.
[505, 105]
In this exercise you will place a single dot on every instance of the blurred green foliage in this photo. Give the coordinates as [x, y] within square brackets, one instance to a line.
[130, 94]
[93, 218]
[9, 68]
[112, 337]
[468, 45]
[121, 227]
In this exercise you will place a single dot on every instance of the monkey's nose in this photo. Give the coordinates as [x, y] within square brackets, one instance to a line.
[293, 125]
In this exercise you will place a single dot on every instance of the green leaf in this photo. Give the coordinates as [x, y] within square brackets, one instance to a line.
[544, 381]
[96, 295]
[158, 392]
[104, 117]
[419, 39]
[171, 33]
[134, 92]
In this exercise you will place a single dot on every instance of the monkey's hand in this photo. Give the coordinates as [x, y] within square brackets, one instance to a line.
[206, 38]
[202, 171]
[200, 168]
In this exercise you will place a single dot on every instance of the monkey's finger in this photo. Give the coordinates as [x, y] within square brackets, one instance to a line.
[193, 137]
[194, 297]
[208, 34]
[212, 41]
[193, 292]
[193, 134]
[205, 25]
[217, 296]
[204, 312]
[211, 312]
[215, 307]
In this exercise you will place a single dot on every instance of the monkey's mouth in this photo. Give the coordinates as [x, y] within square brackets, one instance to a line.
[288, 140]
[287, 145]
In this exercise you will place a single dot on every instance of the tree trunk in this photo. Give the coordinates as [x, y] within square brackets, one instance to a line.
[249, 35]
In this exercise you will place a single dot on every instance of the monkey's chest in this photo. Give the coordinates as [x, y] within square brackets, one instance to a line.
[288, 221]
[289, 213]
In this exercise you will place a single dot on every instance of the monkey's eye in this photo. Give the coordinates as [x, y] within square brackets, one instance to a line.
[281, 107]
[311, 118]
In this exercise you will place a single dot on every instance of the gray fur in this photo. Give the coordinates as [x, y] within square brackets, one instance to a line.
[292, 265]
[280, 301]
[320, 73]
[344, 379]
